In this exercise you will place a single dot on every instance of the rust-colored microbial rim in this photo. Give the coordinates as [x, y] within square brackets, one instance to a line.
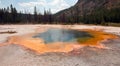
[39, 46]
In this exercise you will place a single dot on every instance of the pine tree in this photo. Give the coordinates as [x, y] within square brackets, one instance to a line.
[35, 14]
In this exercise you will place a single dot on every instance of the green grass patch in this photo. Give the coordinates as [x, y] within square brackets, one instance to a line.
[112, 24]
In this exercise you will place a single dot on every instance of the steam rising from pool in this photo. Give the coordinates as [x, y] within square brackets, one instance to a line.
[62, 35]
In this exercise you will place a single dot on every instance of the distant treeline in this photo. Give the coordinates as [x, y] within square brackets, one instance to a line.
[101, 16]
[10, 15]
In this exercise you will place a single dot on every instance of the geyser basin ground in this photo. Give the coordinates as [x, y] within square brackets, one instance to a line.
[15, 54]
[63, 35]
[52, 41]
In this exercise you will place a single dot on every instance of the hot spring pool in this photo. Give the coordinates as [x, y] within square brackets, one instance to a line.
[62, 35]
[61, 40]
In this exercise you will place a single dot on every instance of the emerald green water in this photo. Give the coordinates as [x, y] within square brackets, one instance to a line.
[63, 35]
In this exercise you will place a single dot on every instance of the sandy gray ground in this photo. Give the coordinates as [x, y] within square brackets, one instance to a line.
[13, 55]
